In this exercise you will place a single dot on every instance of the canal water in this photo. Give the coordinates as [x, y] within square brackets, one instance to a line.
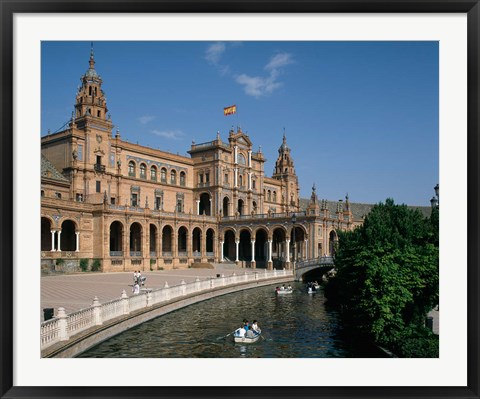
[298, 325]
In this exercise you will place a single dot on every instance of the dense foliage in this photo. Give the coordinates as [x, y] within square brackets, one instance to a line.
[387, 278]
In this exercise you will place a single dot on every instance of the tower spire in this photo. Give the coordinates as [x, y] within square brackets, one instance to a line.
[92, 57]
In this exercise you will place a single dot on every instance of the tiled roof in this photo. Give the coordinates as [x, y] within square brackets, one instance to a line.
[48, 170]
[360, 210]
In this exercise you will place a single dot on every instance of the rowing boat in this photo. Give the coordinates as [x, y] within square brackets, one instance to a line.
[245, 339]
[284, 291]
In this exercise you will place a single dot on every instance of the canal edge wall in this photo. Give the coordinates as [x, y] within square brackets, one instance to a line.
[95, 335]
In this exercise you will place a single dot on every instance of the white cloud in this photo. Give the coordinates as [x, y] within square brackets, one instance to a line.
[255, 86]
[278, 61]
[145, 119]
[214, 52]
[169, 134]
[258, 86]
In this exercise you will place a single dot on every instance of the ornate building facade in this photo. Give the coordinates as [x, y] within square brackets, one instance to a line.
[134, 207]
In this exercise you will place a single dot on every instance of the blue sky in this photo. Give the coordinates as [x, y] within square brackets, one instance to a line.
[360, 117]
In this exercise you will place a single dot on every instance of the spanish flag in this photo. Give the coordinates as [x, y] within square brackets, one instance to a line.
[230, 110]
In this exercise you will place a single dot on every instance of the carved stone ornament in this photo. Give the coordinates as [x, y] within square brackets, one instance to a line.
[99, 138]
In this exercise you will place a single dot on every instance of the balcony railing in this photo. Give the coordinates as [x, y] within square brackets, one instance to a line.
[116, 253]
[99, 167]
[135, 253]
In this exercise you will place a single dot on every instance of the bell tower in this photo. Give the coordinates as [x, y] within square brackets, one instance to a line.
[285, 171]
[91, 104]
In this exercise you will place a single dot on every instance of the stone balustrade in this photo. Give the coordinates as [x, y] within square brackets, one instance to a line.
[63, 326]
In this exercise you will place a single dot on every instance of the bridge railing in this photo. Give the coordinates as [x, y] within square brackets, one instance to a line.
[320, 261]
[65, 326]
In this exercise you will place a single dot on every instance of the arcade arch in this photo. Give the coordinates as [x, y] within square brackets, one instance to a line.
[116, 238]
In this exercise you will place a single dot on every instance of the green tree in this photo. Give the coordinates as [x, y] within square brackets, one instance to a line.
[387, 276]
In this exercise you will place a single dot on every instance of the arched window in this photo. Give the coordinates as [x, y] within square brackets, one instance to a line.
[153, 173]
[269, 198]
[274, 196]
[173, 177]
[143, 171]
[163, 175]
[240, 180]
[241, 159]
[182, 178]
[131, 169]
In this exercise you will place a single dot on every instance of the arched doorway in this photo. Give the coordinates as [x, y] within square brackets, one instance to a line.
[46, 237]
[226, 206]
[182, 241]
[210, 239]
[240, 207]
[229, 246]
[245, 246]
[261, 248]
[116, 242]
[197, 242]
[205, 204]
[153, 240]
[278, 248]
[298, 245]
[167, 233]
[136, 239]
[68, 239]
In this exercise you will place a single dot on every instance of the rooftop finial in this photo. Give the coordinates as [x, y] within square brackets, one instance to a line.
[314, 188]
[92, 58]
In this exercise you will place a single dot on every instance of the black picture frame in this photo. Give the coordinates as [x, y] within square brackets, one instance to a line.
[7, 202]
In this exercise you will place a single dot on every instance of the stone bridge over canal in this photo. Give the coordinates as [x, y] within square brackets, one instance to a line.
[323, 264]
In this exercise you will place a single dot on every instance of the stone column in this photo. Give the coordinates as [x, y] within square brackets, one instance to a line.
[221, 251]
[97, 313]
[270, 250]
[203, 244]
[253, 250]
[77, 247]
[58, 240]
[270, 262]
[158, 246]
[62, 324]
[237, 243]
[53, 240]
[306, 249]
[198, 207]
[287, 250]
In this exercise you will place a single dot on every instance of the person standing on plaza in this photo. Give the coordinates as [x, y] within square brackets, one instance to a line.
[136, 289]
[135, 277]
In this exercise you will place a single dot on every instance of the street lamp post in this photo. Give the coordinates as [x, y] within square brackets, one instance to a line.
[294, 220]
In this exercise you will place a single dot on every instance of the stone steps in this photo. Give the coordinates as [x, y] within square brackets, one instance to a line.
[225, 265]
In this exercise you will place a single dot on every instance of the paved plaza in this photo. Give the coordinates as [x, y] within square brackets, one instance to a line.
[76, 291]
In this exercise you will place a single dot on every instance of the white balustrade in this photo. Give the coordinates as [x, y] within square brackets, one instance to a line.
[63, 326]
[80, 320]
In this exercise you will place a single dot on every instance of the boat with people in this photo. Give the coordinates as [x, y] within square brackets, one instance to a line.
[246, 339]
[312, 287]
[283, 290]
[248, 333]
